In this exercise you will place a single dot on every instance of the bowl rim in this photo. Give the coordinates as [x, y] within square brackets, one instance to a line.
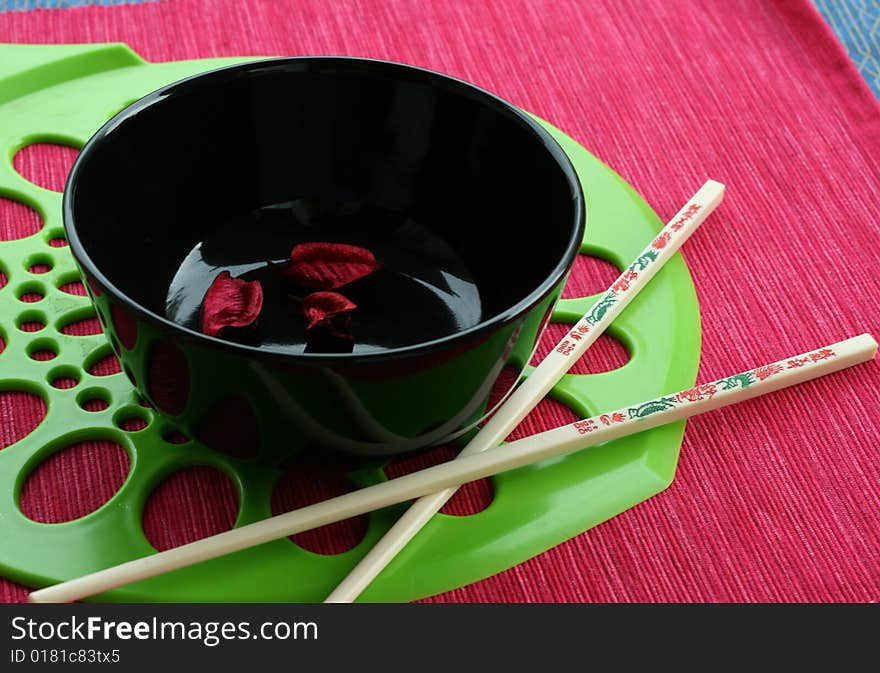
[481, 329]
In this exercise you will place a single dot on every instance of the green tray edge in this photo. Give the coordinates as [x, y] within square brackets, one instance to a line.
[441, 572]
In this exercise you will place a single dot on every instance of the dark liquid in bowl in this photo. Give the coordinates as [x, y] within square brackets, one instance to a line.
[421, 292]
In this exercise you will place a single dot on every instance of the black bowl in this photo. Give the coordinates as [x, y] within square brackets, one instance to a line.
[472, 209]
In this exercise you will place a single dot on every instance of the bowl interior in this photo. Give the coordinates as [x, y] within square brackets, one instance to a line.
[470, 208]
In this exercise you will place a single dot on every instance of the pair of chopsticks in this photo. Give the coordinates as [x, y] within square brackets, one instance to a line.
[482, 457]
[546, 375]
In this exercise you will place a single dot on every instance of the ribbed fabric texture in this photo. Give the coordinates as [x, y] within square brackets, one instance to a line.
[775, 499]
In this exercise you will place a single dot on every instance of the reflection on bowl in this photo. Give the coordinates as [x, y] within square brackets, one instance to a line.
[473, 211]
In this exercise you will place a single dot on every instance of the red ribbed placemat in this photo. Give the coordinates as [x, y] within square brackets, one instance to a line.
[775, 500]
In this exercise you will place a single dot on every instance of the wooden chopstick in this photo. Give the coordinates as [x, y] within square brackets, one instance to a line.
[551, 369]
[582, 335]
[560, 441]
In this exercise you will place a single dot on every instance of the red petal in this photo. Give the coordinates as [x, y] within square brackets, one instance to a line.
[327, 310]
[327, 266]
[230, 302]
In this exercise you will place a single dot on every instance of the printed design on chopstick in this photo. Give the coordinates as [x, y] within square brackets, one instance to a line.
[652, 407]
[628, 277]
[586, 425]
[622, 284]
[765, 372]
[644, 261]
[743, 381]
[601, 308]
[704, 391]
[577, 333]
[662, 240]
[816, 356]
[701, 392]
[688, 214]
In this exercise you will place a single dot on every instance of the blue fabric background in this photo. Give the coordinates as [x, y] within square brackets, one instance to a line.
[9, 5]
[857, 25]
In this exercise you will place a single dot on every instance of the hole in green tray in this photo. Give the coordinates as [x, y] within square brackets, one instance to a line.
[217, 507]
[81, 322]
[39, 264]
[17, 219]
[31, 321]
[74, 287]
[94, 399]
[32, 326]
[22, 412]
[590, 275]
[45, 164]
[547, 415]
[42, 349]
[605, 355]
[55, 238]
[131, 419]
[304, 486]
[102, 362]
[4, 279]
[63, 377]
[472, 498]
[74, 481]
[31, 292]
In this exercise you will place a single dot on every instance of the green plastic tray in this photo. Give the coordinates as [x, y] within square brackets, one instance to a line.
[62, 94]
